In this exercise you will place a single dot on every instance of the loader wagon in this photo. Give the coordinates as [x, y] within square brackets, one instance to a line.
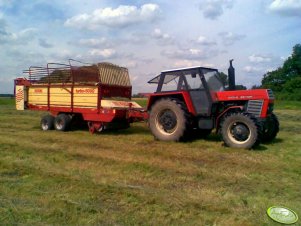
[99, 94]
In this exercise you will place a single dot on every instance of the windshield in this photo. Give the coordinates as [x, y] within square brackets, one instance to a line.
[213, 81]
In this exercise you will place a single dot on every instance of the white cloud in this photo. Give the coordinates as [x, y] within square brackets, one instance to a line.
[212, 9]
[230, 38]
[251, 69]
[190, 54]
[94, 42]
[44, 43]
[122, 16]
[131, 64]
[22, 37]
[159, 35]
[286, 7]
[163, 38]
[256, 58]
[104, 53]
[191, 63]
[205, 41]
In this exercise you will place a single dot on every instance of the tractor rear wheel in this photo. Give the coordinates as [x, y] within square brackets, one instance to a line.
[240, 130]
[47, 122]
[62, 122]
[271, 128]
[167, 120]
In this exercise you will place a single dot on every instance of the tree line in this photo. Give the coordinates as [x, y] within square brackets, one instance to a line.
[285, 81]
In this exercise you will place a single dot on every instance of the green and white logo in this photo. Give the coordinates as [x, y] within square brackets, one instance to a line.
[282, 215]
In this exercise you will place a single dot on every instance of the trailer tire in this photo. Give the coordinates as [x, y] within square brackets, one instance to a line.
[62, 122]
[167, 120]
[47, 122]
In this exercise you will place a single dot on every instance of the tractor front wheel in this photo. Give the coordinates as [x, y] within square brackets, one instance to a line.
[167, 120]
[240, 130]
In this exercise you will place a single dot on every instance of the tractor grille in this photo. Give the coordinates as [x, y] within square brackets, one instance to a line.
[271, 94]
[254, 107]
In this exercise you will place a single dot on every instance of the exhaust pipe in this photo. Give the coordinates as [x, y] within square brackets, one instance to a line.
[231, 76]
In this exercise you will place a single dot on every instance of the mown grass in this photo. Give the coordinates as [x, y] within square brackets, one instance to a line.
[6, 101]
[128, 178]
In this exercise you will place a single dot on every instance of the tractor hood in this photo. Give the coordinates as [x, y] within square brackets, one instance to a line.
[255, 94]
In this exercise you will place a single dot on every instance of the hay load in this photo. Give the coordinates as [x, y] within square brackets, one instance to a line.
[105, 73]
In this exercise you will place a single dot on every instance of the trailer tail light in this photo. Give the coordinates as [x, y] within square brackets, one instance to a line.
[20, 97]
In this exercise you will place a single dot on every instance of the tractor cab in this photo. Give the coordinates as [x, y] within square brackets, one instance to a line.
[199, 83]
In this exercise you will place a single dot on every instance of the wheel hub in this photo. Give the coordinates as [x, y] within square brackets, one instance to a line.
[168, 120]
[59, 124]
[240, 132]
[44, 125]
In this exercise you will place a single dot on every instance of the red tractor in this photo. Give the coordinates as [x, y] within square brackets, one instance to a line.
[194, 100]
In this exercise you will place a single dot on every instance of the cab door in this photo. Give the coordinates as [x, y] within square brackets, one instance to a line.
[199, 94]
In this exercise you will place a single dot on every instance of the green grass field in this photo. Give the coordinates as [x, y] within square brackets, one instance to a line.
[128, 178]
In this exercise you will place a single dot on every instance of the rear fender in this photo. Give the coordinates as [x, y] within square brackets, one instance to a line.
[183, 96]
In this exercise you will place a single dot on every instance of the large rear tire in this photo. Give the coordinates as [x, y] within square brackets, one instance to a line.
[240, 130]
[271, 128]
[167, 120]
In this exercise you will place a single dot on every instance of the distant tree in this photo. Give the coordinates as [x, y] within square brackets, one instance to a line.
[240, 87]
[274, 80]
[293, 89]
[256, 87]
[223, 77]
[283, 78]
[137, 95]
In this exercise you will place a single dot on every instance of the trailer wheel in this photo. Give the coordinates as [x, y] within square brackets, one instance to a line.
[47, 122]
[62, 122]
[168, 120]
[271, 128]
[240, 130]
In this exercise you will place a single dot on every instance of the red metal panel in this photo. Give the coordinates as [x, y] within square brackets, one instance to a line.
[115, 91]
[182, 94]
[237, 95]
[137, 115]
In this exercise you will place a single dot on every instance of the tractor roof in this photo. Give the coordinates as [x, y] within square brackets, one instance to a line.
[181, 71]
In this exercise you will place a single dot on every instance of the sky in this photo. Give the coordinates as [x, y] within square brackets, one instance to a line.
[149, 36]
